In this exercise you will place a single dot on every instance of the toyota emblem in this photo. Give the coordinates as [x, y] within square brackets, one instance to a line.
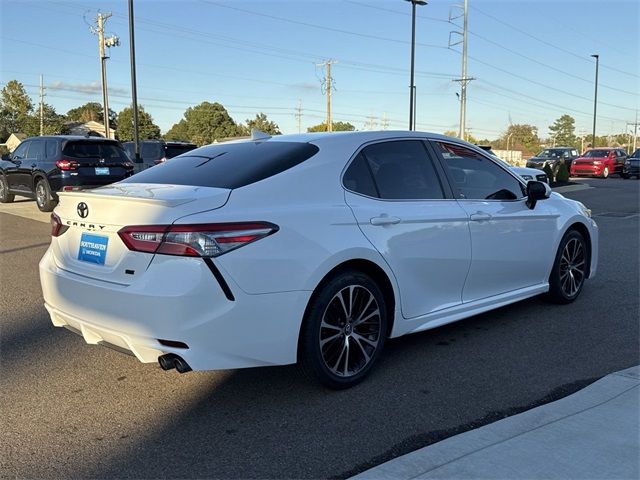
[83, 210]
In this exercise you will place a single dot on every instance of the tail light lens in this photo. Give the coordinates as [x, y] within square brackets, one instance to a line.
[200, 240]
[57, 228]
[66, 164]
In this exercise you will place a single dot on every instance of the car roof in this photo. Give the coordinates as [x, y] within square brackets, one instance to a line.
[73, 137]
[364, 136]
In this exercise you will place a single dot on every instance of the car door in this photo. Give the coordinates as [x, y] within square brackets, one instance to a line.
[35, 158]
[13, 171]
[621, 156]
[409, 216]
[511, 245]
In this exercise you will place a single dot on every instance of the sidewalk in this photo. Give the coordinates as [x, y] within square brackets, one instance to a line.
[594, 433]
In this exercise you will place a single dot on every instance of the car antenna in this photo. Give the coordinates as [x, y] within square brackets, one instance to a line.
[259, 135]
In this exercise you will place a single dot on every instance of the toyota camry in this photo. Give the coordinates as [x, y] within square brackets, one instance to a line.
[310, 249]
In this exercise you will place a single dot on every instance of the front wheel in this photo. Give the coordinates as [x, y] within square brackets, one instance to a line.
[605, 172]
[569, 269]
[343, 331]
[44, 199]
[5, 196]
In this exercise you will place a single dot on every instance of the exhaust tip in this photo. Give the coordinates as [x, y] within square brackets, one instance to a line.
[169, 361]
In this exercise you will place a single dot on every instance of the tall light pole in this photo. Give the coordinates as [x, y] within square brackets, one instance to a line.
[412, 87]
[134, 90]
[595, 102]
[112, 41]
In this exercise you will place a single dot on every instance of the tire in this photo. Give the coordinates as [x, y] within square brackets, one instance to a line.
[343, 331]
[5, 196]
[624, 175]
[44, 199]
[605, 173]
[569, 269]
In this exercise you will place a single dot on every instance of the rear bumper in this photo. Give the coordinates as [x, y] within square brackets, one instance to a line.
[180, 300]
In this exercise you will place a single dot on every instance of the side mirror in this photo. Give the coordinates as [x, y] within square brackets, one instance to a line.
[537, 191]
[6, 156]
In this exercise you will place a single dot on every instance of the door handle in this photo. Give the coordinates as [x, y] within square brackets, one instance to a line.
[385, 220]
[480, 216]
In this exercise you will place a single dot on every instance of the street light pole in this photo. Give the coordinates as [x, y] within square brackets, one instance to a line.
[595, 102]
[134, 90]
[412, 87]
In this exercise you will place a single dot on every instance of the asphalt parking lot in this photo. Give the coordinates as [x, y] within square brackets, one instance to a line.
[69, 409]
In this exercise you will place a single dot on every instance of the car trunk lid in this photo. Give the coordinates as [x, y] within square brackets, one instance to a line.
[91, 246]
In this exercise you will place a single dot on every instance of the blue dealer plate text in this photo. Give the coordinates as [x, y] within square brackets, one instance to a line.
[93, 248]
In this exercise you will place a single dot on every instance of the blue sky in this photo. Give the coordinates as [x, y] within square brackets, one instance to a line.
[531, 59]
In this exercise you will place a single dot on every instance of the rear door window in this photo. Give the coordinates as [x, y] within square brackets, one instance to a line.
[230, 165]
[36, 149]
[111, 152]
[51, 149]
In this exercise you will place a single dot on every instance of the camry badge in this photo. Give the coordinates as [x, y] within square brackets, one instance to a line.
[83, 210]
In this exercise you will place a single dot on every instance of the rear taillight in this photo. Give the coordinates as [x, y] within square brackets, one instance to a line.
[200, 240]
[66, 164]
[57, 228]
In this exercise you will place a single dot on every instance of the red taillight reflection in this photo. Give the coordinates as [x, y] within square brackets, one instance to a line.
[201, 240]
[57, 227]
[66, 164]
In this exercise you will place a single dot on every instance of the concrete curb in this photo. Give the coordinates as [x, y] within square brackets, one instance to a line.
[593, 433]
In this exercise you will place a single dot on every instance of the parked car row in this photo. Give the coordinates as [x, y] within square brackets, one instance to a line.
[40, 167]
[596, 162]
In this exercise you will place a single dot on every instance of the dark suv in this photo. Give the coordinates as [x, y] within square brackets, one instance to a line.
[42, 166]
[153, 152]
[553, 156]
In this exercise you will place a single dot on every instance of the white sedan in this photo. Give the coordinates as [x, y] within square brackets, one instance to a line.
[308, 248]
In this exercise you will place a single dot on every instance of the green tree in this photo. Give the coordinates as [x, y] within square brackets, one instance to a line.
[52, 122]
[522, 137]
[336, 126]
[15, 107]
[207, 122]
[91, 111]
[563, 131]
[146, 128]
[178, 132]
[261, 123]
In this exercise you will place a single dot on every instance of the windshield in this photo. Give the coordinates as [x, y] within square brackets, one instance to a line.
[551, 153]
[636, 154]
[597, 154]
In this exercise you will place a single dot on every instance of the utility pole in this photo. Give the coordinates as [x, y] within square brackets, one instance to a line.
[112, 41]
[464, 80]
[327, 89]
[412, 85]
[384, 123]
[371, 122]
[635, 131]
[299, 115]
[41, 106]
[134, 89]
[595, 102]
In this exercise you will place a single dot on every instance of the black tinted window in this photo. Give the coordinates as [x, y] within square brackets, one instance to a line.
[229, 165]
[358, 178]
[89, 149]
[36, 149]
[52, 149]
[402, 170]
[175, 150]
[151, 151]
[476, 177]
[20, 151]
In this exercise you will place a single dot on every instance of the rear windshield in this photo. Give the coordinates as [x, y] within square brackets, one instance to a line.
[597, 153]
[175, 150]
[228, 165]
[93, 149]
[151, 151]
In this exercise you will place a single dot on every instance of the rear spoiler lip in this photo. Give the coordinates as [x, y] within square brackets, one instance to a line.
[173, 202]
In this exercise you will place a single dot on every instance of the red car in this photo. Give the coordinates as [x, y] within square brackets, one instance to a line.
[599, 162]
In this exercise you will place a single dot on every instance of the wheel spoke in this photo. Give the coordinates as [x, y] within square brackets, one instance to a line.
[335, 366]
[330, 339]
[359, 337]
[364, 310]
[324, 324]
[362, 320]
[362, 349]
[346, 358]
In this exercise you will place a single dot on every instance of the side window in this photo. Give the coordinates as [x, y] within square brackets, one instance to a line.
[52, 149]
[21, 151]
[358, 178]
[402, 170]
[476, 177]
[574, 153]
[36, 149]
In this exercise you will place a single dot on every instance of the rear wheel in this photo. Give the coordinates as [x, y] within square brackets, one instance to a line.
[343, 331]
[569, 269]
[624, 175]
[5, 196]
[44, 199]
